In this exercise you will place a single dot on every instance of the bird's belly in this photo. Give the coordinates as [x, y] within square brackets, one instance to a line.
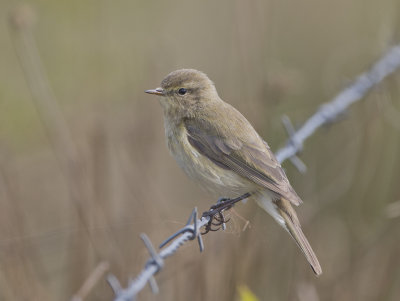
[219, 181]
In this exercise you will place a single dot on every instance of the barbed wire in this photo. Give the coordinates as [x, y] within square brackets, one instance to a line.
[156, 262]
[327, 113]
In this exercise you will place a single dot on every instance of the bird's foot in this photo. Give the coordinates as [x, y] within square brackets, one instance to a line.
[215, 214]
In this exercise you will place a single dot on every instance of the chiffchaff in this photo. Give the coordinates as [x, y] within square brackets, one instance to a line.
[216, 146]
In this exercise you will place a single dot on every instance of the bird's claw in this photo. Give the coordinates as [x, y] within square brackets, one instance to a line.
[216, 216]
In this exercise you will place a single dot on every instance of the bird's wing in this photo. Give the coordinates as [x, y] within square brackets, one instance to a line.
[249, 157]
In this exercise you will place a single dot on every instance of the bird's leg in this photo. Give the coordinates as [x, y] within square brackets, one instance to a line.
[220, 203]
[215, 214]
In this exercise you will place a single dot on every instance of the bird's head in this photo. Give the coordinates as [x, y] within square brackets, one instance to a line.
[185, 90]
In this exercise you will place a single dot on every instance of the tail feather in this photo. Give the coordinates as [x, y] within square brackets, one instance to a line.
[282, 211]
[299, 237]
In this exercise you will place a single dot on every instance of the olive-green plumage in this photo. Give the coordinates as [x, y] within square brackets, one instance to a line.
[216, 146]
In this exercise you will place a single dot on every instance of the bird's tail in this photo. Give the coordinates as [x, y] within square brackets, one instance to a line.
[282, 211]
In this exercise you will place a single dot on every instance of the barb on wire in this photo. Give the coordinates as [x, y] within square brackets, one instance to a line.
[188, 228]
[156, 262]
[327, 113]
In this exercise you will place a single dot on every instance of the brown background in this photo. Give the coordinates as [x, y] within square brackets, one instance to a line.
[84, 172]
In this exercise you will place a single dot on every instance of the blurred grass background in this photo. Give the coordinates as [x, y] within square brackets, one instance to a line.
[74, 197]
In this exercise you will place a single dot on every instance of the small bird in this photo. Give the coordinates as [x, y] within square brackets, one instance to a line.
[217, 147]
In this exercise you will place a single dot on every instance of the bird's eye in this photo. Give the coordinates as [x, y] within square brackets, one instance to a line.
[182, 91]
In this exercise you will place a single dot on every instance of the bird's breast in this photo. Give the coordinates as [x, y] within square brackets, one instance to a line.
[222, 182]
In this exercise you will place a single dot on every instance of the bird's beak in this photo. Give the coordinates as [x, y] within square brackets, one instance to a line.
[158, 91]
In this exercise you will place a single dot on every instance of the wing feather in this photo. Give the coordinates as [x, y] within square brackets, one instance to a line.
[251, 159]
